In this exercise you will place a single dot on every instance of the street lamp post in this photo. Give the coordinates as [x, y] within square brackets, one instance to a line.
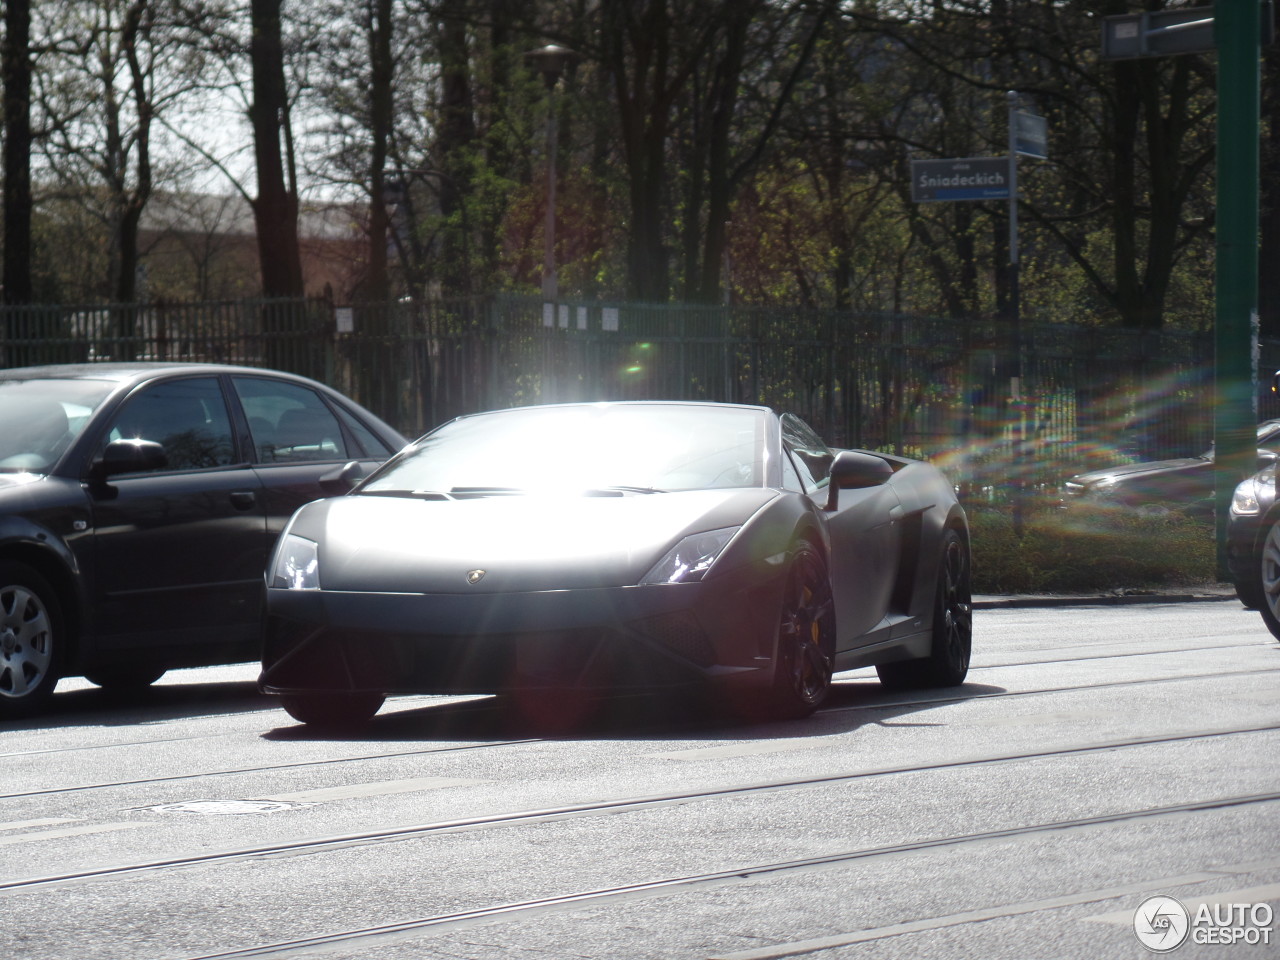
[550, 61]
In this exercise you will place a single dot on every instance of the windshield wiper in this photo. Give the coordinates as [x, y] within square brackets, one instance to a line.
[487, 491]
[409, 494]
[617, 491]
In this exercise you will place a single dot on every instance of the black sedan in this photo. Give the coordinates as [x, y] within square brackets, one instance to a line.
[580, 548]
[1183, 483]
[139, 504]
[1253, 545]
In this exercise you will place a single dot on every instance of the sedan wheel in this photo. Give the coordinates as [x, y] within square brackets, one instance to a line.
[806, 637]
[1269, 605]
[29, 629]
[948, 662]
[332, 711]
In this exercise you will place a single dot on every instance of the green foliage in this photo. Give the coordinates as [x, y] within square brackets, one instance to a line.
[1088, 549]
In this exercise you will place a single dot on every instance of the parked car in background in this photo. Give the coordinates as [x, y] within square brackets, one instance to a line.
[558, 551]
[138, 506]
[1253, 545]
[1185, 483]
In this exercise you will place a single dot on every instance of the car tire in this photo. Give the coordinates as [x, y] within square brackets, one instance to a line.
[31, 636]
[125, 678]
[806, 637]
[948, 662]
[1250, 595]
[1269, 580]
[332, 710]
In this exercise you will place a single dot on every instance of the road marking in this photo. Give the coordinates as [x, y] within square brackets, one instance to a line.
[71, 832]
[25, 824]
[1270, 891]
[1251, 894]
[1059, 716]
[379, 789]
[740, 750]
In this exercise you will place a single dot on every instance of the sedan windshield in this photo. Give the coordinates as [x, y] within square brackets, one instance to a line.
[598, 448]
[40, 418]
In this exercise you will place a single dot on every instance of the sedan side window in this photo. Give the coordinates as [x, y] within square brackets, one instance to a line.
[289, 423]
[187, 417]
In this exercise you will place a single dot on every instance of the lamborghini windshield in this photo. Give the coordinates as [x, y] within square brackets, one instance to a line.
[40, 418]
[592, 448]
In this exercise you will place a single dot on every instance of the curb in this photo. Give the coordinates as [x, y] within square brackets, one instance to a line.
[1100, 600]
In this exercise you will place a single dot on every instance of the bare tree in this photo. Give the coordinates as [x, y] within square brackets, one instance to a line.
[276, 206]
[15, 64]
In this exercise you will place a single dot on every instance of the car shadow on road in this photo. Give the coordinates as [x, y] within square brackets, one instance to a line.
[853, 703]
[98, 707]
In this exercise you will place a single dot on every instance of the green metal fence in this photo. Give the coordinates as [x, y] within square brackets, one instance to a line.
[939, 388]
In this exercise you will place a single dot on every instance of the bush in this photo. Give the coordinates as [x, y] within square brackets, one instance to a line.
[1087, 549]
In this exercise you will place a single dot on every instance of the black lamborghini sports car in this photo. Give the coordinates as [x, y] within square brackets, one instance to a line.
[619, 546]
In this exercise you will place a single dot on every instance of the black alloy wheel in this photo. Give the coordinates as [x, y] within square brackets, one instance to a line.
[806, 637]
[948, 662]
[30, 631]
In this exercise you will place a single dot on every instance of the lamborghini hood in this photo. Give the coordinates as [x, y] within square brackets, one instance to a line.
[521, 543]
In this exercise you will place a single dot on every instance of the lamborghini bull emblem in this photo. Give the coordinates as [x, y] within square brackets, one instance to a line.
[474, 576]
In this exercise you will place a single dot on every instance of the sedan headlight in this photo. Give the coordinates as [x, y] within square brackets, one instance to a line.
[297, 566]
[1244, 501]
[690, 559]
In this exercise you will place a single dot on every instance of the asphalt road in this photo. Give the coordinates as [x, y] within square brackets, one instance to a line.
[1098, 756]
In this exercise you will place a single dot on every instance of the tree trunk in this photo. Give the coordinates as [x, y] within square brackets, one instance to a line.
[276, 207]
[16, 69]
[456, 139]
[380, 120]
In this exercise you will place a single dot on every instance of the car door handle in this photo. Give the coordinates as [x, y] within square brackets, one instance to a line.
[243, 499]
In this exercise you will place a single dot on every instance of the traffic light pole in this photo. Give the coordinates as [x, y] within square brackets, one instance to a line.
[1237, 36]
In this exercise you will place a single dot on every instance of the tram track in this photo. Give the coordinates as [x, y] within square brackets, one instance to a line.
[1128, 654]
[366, 937]
[332, 843]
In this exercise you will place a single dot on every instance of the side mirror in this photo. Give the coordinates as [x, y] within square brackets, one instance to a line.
[1266, 458]
[128, 456]
[337, 482]
[852, 470]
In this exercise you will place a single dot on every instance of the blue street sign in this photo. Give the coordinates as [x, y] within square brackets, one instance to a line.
[972, 178]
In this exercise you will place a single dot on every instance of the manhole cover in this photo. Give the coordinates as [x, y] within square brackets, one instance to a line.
[227, 807]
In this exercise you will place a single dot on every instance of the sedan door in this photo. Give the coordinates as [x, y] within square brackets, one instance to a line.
[179, 550]
[300, 438]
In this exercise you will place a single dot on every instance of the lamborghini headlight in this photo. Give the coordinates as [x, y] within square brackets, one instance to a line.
[297, 566]
[690, 559]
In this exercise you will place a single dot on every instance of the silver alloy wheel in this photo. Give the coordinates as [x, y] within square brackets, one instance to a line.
[1271, 573]
[26, 641]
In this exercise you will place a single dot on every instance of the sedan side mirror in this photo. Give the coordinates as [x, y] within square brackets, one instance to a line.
[852, 470]
[1266, 458]
[128, 456]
